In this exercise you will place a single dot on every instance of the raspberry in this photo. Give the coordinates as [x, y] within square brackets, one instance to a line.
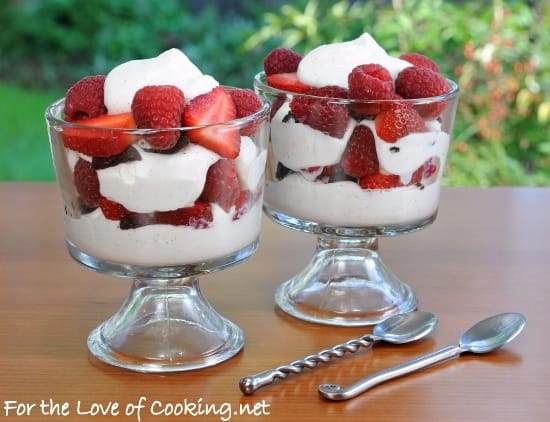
[281, 60]
[420, 82]
[84, 99]
[222, 184]
[86, 183]
[370, 82]
[359, 158]
[380, 181]
[420, 60]
[398, 120]
[246, 103]
[159, 107]
[323, 115]
[112, 210]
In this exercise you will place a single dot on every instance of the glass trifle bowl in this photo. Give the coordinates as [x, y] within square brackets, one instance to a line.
[351, 171]
[162, 214]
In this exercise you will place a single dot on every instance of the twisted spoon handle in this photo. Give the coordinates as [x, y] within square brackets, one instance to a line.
[252, 383]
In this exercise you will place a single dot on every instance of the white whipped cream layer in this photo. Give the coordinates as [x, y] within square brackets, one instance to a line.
[158, 245]
[299, 146]
[330, 64]
[169, 68]
[250, 165]
[345, 204]
[158, 182]
[407, 154]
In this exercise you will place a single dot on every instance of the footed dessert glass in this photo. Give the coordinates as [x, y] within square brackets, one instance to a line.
[165, 323]
[309, 188]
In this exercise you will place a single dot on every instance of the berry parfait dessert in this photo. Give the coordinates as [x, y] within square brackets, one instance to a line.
[161, 172]
[358, 144]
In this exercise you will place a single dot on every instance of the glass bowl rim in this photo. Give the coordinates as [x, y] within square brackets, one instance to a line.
[260, 84]
[234, 123]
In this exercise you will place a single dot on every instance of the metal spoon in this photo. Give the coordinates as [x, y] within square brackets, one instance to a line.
[483, 337]
[397, 329]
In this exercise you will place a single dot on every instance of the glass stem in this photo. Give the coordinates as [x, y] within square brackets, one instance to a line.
[329, 242]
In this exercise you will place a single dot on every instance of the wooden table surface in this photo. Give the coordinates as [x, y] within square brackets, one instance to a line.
[488, 252]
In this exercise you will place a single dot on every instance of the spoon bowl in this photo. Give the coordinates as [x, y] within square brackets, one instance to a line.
[405, 328]
[483, 337]
[492, 333]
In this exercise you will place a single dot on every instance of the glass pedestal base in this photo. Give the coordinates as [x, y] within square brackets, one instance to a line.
[345, 284]
[165, 326]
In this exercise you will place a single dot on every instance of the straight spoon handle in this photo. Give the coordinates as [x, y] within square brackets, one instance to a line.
[337, 392]
[252, 383]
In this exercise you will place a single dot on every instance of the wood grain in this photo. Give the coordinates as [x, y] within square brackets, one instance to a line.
[488, 252]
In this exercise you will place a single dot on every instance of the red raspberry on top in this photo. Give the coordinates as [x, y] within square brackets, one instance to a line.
[359, 158]
[246, 103]
[84, 99]
[420, 60]
[397, 121]
[370, 82]
[281, 60]
[420, 82]
[86, 183]
[326, 116]
[159, 107]
[380, 181]
[222, 184]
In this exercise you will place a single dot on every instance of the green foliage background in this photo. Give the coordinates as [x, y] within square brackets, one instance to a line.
[497, 51]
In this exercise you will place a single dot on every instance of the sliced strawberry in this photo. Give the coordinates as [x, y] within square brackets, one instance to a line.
[222, 184]
[359, 158]
[209, 109]
[198, 216]
[417, 175]
[241, 204]
[112, 210]
[86, 183]
[97, 140]
[380, 181]
[431, 167]
[287, 82]
[397, 121]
